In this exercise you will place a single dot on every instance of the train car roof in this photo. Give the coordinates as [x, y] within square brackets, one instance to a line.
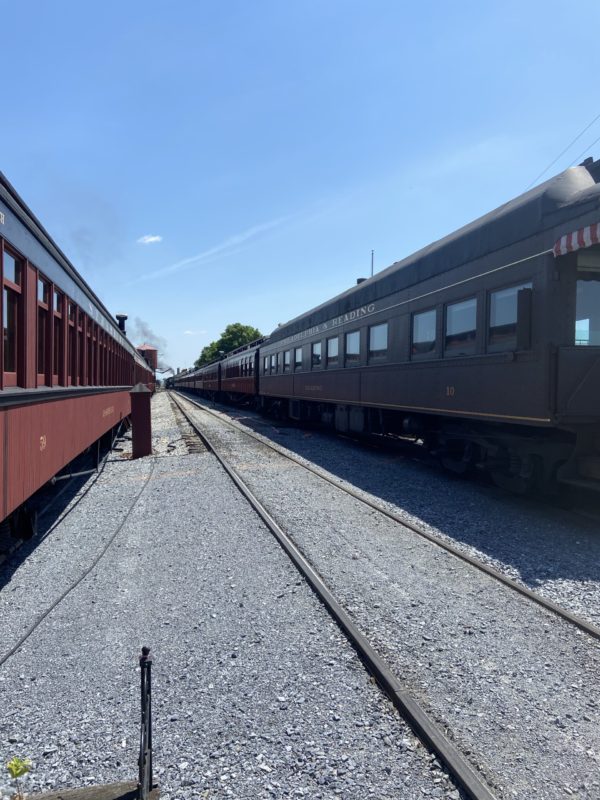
[10, 197]
[239, 351]
[545, 206]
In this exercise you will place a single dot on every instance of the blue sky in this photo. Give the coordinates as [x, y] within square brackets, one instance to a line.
[271, 144]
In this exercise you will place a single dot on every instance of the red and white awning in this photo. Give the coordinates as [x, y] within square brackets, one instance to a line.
[584, 237]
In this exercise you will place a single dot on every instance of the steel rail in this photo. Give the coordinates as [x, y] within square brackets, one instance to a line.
[419, 721]
[588, 627]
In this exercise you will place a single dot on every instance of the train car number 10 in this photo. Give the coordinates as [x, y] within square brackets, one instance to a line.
[449, 391]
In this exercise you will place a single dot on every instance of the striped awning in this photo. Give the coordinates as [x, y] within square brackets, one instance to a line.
[584, 237]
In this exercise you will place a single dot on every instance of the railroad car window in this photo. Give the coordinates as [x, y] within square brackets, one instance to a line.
[352, 348]
[41, 341]
[80, 336]
[12, 269]
[287, 360]
[298, 358]
[58, 343]
[333, 351]
[90, 354]
[378, 340]
[266, 365]
[10, 312]
[316, 354]
[273, 363]
[461, 328]
[57, 346]
[43, 289]
[43, 295]
[72, 354]
[502, 330]
[587, 308]
[423, 334]
[11, 308]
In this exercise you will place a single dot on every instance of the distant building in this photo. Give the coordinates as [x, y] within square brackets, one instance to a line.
[150, 354]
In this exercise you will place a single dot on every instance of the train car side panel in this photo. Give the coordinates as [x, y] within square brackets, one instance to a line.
[39, 439]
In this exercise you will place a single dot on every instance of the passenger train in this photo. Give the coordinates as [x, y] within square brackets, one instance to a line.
[67, 367]
[484, 346]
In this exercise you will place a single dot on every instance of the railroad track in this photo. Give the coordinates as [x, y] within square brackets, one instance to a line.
[430, 733]
[580, 623]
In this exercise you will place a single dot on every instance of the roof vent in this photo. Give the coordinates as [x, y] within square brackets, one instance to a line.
[121, 320]
[360, 280]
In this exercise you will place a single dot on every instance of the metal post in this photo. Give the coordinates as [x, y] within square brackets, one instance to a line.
[141, 421]
[145, 757]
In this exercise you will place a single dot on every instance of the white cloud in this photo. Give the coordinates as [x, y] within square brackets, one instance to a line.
[149, 239]
[228, 246]
[193, 333]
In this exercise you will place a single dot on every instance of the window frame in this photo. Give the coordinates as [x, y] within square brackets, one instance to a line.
[503, 347]
[316, 358]
[381, 354]
[352, 359]
[13, 290]
[332, 361]
[71, 343]
[58, 298]
[42, 377]
[473, 341]
[429, 354]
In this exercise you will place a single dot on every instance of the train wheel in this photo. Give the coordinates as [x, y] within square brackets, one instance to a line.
[523, 475]
[461, 458]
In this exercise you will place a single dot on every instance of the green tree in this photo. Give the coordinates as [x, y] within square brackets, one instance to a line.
[234, 335]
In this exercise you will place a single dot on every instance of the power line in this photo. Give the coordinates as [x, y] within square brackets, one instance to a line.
[587, 150]
[561, 154]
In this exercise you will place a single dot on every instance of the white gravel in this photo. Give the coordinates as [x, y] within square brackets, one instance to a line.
[166, 435]
[256, 692]
[515, 685]
[550, 550]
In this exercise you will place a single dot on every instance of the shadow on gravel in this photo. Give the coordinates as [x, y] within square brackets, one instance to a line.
[539, 542]
[51, 503]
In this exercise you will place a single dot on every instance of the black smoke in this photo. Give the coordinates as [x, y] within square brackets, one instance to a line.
[142, 333]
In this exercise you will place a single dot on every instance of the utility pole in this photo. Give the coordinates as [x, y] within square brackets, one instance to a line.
[372, 252]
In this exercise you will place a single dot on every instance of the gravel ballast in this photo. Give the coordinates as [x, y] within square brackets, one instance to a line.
[256, 692]
[515, 685]
[548, 549]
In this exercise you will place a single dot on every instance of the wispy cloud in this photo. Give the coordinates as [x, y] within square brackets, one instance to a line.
[193, 333]
[149, 239]
[226, 247]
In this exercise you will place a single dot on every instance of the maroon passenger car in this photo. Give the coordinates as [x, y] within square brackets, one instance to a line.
[67, 368]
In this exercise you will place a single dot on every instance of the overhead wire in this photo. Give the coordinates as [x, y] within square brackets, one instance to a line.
[587, 150]
[561, 154]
